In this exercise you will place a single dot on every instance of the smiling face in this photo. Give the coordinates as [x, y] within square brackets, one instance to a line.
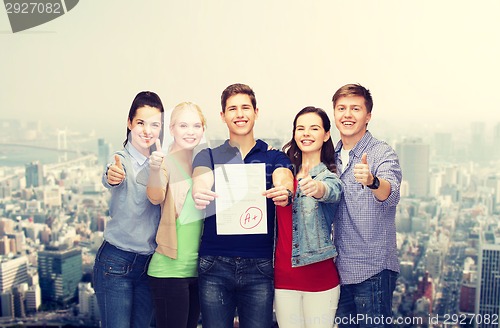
[145, 128]
[187, 129]
[239, 115]
[351, 117]
[310, 134]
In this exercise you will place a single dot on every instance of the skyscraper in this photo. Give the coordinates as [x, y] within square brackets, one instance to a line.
[103, 151]
[414, 159]
[443, 146]
[488, 290]
[34, 174]
[60, 272]
[12, 273]
[496, 141]
[478, 146]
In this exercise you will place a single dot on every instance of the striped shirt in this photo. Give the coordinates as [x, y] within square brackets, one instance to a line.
[365, 228]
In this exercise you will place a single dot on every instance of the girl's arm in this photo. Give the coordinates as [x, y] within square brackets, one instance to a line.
[158, 176]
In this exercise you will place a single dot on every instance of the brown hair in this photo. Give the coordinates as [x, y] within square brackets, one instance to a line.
[354, 90]
[235, 89]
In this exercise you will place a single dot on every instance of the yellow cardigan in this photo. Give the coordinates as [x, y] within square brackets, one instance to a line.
[166, 236]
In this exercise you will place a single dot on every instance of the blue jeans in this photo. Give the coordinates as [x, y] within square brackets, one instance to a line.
[228, 284]
[369, 303]
[122, 289]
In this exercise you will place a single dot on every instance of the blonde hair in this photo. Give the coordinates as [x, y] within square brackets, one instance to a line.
[186, 106]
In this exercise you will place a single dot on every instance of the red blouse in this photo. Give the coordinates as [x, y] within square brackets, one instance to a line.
[314, 277]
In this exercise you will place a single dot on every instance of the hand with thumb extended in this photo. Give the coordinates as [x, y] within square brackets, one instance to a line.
[115, 172]
[118, 162]
[363, 159]
[362, 172]
[307, 184]
[156, 157]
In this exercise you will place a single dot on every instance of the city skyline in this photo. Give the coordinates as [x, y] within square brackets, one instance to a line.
[431, 66]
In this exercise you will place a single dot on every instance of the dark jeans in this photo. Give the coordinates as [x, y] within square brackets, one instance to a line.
[176, 302]
[122, 289]
[369, 303]
[227, 284]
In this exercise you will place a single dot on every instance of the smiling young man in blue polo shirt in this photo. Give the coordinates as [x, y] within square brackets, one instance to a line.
[236, 271]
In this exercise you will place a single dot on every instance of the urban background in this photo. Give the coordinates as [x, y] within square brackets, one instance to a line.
[432, 67]
[53, 211]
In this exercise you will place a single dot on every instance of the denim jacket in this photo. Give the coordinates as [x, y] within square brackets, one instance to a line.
[312, 220]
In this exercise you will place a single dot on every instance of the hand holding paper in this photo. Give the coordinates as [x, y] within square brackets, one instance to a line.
[279, 195]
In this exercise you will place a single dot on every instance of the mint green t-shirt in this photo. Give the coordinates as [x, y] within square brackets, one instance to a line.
[188, 225]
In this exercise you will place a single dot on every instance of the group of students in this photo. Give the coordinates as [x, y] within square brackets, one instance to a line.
[328, 255]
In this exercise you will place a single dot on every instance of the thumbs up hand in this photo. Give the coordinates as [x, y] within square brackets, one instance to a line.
[115, 173]
[362, 172]
[156, 157]
[308, 186]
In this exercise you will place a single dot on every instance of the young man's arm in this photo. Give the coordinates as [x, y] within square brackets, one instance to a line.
[389, 168]
[282, 182]
[384, 189]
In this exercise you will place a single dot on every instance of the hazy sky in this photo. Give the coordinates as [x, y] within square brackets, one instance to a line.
[427, 63]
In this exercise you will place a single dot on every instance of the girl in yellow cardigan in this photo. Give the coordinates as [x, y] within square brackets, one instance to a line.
[173, 268]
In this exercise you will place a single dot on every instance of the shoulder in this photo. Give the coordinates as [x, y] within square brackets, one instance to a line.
[325, 174]
[379, 148]
[278, 159]
[272, 155]
[202, 158]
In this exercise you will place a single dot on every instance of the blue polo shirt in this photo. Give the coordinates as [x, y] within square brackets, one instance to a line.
[246, 246]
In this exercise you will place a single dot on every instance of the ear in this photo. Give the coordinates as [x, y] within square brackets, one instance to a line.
[222, 117]
[327, 136]
[256, 113]
[368, 117]
[171, 128]
[129, 124]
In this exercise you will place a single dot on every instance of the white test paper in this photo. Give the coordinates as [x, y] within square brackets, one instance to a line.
[240, 206]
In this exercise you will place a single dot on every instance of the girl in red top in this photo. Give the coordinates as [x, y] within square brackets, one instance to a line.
[306, 280]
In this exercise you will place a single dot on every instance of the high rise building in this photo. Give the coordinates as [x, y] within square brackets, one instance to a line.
[19, 293]
[488, 282]
[478, 147]
[468, 292]
[493, 182]
[18, 241]
[33, 298]
[60, 272]
[414, 159]
[496, 141]
[87, 301]
[4, 245]
[443, 146]
[6, 226]
[34, 174]
[12, 273]
[103, 151]
[433, 262]
[101, 223]
[7, 305]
